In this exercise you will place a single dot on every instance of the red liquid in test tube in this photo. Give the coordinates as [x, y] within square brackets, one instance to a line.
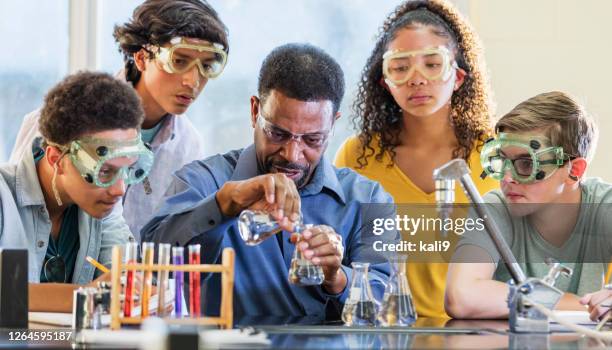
[194, 281]
[131, 253]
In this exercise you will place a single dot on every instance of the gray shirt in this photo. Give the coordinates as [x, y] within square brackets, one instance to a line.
[587, 251]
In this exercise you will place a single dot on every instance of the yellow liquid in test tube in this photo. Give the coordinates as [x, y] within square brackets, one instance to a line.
[148, 250]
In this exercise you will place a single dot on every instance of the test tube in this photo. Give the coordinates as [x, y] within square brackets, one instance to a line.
[148, 252]
[177, 259]
[163, 258]
[131, 257]
[194, 281]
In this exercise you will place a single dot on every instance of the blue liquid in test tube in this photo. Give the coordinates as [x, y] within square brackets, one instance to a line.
[177, 259]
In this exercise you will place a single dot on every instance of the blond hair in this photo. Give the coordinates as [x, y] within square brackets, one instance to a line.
[562, 119]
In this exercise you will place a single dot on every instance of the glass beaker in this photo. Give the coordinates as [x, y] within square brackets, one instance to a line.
[397, 306]
[360, 308]
[303, 272]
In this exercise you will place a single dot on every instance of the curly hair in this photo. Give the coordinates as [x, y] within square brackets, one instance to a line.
[304, 72]
[88, 102]
[377, 113]
[156, 22]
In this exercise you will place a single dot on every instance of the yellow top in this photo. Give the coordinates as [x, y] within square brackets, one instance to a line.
[427, 280]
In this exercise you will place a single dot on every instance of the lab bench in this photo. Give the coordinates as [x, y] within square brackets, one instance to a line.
[427, 333]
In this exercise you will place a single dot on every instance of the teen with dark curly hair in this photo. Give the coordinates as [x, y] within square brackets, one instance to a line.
[171, 49]
[59, 201]
[423, 100]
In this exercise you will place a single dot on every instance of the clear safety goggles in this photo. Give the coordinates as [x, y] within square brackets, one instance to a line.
[103, 162]
[185, 53]
[529, 158]
[433, 64]
[279, 136]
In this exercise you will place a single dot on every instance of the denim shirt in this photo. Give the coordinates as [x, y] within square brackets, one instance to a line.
[333, 197]
[177, 143]
[25, 224]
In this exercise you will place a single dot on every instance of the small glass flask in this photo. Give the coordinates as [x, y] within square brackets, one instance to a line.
[256, 226]
[397, 306]
[360, 308]
[303, 272]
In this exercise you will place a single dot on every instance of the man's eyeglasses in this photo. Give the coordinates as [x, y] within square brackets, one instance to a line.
[280, 136]
[55, 270]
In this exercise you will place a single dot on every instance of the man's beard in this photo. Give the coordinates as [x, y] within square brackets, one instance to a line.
[304, 169]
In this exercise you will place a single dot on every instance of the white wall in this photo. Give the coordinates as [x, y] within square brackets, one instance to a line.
[533, 46]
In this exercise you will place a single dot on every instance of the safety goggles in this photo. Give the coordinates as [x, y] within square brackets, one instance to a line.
[529, 158]
[103, 162]
[435, 64]
[280, 136]
[185, 53]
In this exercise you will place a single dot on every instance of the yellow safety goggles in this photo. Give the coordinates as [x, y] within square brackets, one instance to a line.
[185, 53]
[433, 64]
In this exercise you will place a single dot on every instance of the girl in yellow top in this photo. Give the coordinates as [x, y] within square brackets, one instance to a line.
[423, 100]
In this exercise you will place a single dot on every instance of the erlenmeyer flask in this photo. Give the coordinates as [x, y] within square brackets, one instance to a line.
[302, 271]
[397, 306]
[360, 308]
[256, 226]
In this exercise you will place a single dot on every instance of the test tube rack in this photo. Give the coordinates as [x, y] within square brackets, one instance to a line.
[226, 269]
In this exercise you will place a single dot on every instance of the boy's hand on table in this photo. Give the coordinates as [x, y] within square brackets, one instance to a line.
[598, 303]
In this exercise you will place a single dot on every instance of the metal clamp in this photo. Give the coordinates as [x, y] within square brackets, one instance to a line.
[556, 269]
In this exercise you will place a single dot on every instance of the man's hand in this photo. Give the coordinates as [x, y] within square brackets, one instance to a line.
[598, 303]
[273, 193]
[323, 246]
